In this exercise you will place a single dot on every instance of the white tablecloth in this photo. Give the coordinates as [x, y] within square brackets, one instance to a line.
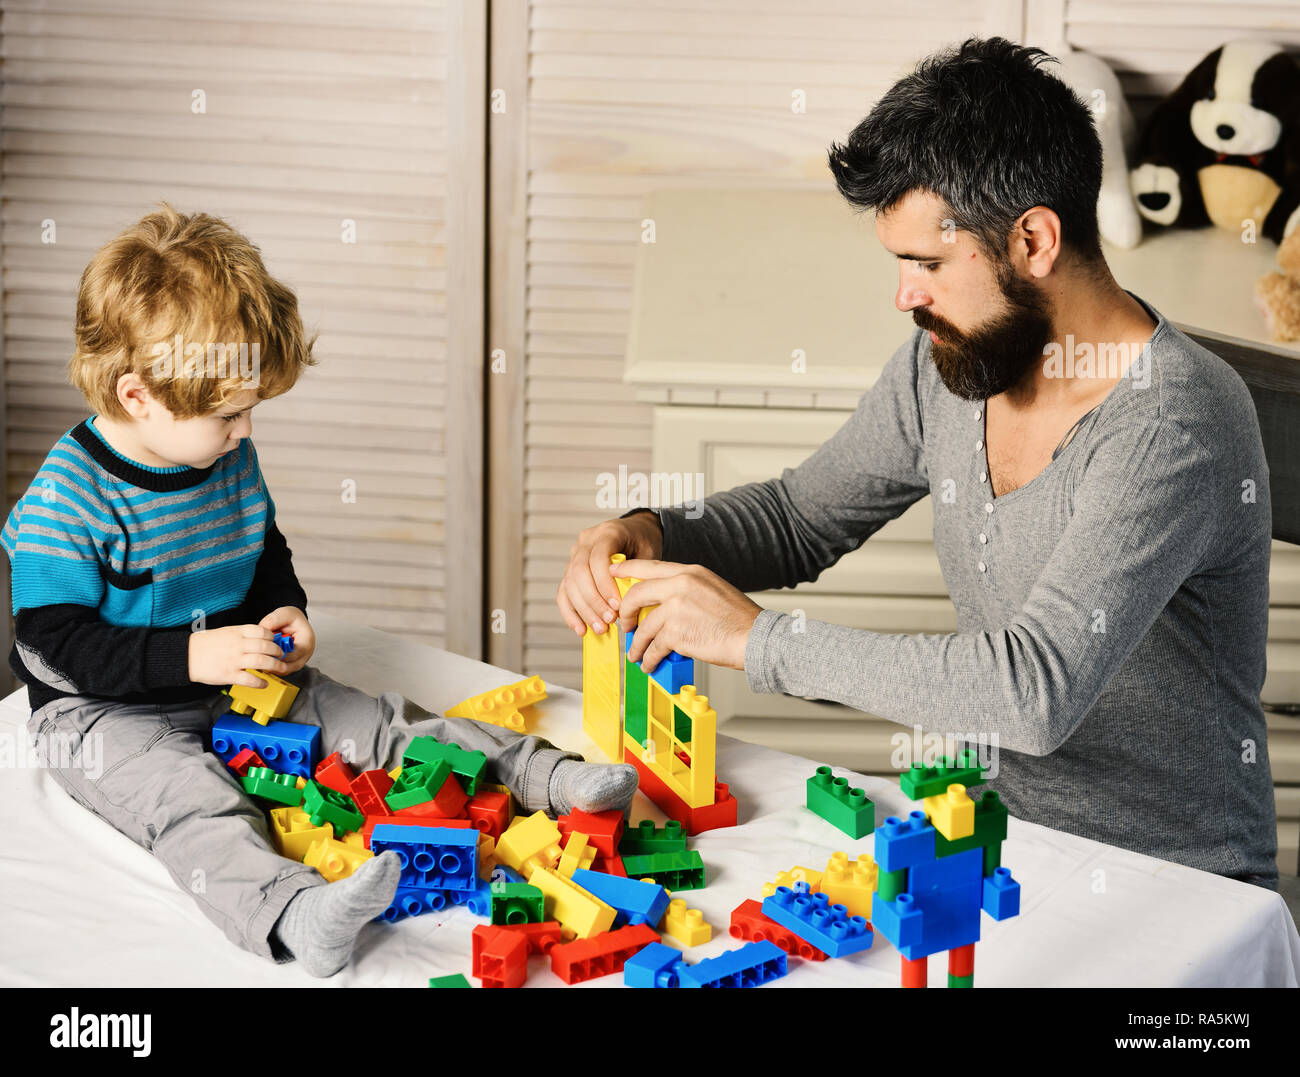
[82, 905]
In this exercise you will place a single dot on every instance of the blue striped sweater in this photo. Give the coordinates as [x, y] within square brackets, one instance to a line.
[115, 563]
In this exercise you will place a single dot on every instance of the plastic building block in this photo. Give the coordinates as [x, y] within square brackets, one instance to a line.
[284, 641]
[603, 829]
[961, 961]
[812, 917]
[434, 858]
[636, 702]
[645, 837]
[515, 903]
[487, 855]
[634, 901]
[502, 706]
[540, 937]
[368, 790]
[334, 859]
[685, 925]
[240, 762]
[604, 955]
[752, 965]
[447, 803]
[913, 973]
[672, 673]
[796, 874]
[500, 958]
[919, 782]
[952, 813]
[901, 843]
[489, 811]
[273, 700]
[326, 806]
[990, 831]
[940, 910]
[945, 872]
[415, 901]
[454, 980]
[467, 766]
[1001, 895]
[681, 744]
[655, 966]
[529, 843]
[899, 920]
[602, 715]
[503, 874]
[287, 747]
[850, 884]
[676, 871]
[577, 910]
[267, 784]
[333, 773]
[889, 884]
[610, 865]
[431, 822]
[577, 854]
[478, 900]
[721, 813]
[749, 923]
[842, 807]
[960, 981]
[418, 784]
[292, 832]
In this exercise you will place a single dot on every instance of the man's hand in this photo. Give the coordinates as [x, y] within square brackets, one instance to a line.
[587, 593]
[698, 614]
[292, 621]
[222, 655]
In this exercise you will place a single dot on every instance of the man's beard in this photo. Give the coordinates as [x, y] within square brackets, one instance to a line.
[994, 357]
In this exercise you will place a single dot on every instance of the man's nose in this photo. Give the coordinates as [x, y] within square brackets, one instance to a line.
[909, 297]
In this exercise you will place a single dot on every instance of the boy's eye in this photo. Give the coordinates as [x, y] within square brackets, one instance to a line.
[232, 418]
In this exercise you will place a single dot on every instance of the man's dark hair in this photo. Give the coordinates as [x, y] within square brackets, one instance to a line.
[982, 127]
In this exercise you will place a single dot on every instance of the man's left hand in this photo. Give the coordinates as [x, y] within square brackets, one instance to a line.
[697, 614]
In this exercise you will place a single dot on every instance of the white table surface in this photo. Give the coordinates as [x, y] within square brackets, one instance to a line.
[84, 906]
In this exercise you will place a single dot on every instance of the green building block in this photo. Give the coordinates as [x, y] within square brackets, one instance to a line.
[842, 807]
[517, 903]
[455, 980]
[961, 981]
[889, 884]
[673, 871]
[636, 702]
[418, 784]
[265, 783]
[324, 805]
[467, 766]
[990, 832]
[646, 838]
[682, 725]
[919, 781]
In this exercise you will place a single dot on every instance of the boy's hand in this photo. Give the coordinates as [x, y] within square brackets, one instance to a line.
[222, 655]
[292, 622]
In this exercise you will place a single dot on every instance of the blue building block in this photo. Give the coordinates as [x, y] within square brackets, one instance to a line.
[753, 964]
[433, 858]
[814, 919]
[285, 747]
[284, 642]
[410, 901]
[478, 900]
[503, 874]
[900, 920]
[672, 672]
[946, 871]
[1001, 895]
[656, 965]
[636, 902]
[900, 843]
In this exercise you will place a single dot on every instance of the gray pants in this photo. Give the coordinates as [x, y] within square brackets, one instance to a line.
[149, 773]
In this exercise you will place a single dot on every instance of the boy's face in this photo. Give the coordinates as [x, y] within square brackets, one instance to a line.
[200, 441]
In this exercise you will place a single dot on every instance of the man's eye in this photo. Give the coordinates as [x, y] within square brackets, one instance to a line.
[927, 267]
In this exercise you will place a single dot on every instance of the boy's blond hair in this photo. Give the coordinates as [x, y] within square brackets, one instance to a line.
[194, 278]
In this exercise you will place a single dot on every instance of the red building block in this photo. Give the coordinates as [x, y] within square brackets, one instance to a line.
[961, 961]
[914, 973]
[245, 759]
[449, 803]
[335, 774]
[541, 937]
[610, 865]
[368, 789]
[749, 923]
[373, 821]
[722, 812]
[600, 955]
[603, 829]
[489, 811]
[500, 958]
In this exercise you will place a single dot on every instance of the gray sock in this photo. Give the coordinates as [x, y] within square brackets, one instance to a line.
[320, 924]
[591, 786]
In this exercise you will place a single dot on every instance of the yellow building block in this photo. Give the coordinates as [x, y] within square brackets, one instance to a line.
[502, 706]
[602, 716]
[395, 772]
[578, 911]
[487, 854]
[577, 854]
[262, 704]
[685, 925]
[292, 832]
[952, 812]
[850, 884]
[795, 875]
[335, 859]
[530, 843]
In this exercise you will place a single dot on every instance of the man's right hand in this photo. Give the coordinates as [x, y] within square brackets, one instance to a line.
[588, 594]
[223, 655]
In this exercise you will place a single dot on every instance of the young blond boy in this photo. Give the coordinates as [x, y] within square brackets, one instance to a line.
[148, 571]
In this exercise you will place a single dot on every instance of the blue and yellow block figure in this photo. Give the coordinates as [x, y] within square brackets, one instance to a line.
[938, 868]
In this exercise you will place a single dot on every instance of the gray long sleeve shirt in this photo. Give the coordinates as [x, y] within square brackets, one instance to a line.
[1112, 612]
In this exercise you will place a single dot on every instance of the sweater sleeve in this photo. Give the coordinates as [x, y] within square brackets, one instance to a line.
[788, 530]
[1144, 511]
